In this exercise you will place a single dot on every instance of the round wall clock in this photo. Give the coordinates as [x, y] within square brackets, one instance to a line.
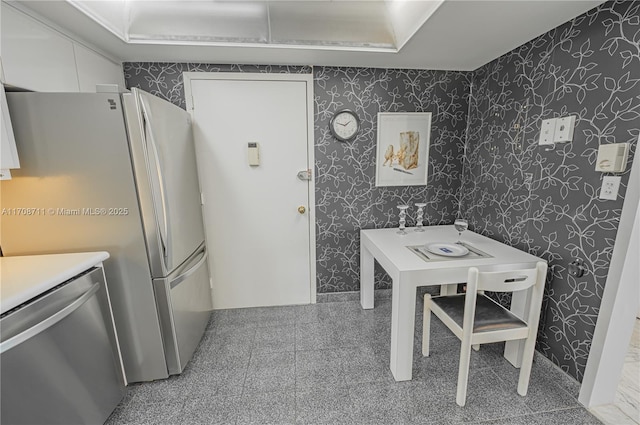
[344, 125]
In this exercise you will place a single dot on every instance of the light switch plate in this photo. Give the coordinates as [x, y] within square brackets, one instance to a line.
[610, 186]
[547, 131]
[564, 129]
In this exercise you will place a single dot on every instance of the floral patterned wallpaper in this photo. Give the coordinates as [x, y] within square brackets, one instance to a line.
[164, 79]
[542, 201]
[347, 199]
[546, 201]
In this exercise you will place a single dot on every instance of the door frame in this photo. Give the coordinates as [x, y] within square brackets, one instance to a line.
[619, 306]
[188, 77]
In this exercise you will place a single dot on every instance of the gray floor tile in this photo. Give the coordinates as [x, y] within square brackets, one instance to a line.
[328, 405]
[365, 364]
[380, 403]
[216, 410]
[269, 408]
[317, 336]
[572, 416]
[313, 313]
[272, 316]
[443, 359]
[486, 399]
[270, 372]
[349, 311]
[317, 368]
[275, 338]
[565, 381]
[214, 380]
[170, 389]
[329, 364]
[147, 413]
[543, 394]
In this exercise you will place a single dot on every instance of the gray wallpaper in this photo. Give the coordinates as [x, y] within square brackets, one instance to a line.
[546, 202]
[346, 197]
[165, 79]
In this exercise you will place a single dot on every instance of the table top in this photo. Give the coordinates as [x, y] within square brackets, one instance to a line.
[26, 277]
[387, 243]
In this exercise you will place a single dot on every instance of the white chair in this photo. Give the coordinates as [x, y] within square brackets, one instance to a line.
[476, 319]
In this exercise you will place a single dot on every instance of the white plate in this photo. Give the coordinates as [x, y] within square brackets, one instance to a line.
[447, 249]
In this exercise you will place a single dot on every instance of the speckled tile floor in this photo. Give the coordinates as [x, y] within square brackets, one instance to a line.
[327, 363]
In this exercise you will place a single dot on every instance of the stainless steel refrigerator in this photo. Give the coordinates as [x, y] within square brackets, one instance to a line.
[116, 172]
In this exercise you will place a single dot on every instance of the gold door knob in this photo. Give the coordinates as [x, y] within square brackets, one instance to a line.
[302, 209]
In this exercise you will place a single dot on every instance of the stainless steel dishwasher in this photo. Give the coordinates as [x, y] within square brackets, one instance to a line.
[59, 363]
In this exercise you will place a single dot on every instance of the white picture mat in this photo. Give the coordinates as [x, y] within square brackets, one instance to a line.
[390, 125]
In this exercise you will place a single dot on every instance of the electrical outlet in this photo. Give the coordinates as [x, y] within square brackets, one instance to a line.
[610, 186]
[547, 132]
[564, 129]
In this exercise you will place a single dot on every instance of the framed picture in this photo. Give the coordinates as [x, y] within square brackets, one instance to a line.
[402, 155]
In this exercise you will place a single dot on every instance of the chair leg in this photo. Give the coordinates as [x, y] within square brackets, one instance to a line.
[426, 324]
[463, 374]
[527, 363]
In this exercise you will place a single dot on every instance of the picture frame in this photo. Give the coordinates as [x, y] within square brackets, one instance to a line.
[402, 151]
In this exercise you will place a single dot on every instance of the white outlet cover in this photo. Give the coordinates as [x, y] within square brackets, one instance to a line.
[610, 186]
[564, 129]
[547, 131]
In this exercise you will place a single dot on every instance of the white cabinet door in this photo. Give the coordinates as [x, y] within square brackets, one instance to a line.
[94, 69]
[35, 57]
[8, 152]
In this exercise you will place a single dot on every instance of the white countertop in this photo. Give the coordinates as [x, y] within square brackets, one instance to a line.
[26, 277]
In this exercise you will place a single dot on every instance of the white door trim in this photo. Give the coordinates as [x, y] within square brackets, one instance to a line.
[619, 305]
[188, 77]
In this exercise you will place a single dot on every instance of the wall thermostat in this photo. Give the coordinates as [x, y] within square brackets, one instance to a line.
[612, 158]
[254, 153]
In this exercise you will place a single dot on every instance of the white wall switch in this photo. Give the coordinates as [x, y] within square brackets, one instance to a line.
[612, 158]
[547, 131]
[254, 154]
[610, 186]
[564, 129]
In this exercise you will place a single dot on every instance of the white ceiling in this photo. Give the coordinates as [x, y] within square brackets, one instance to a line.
[424, 34]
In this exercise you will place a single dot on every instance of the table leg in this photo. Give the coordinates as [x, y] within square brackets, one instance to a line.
[403, 306]
[519, 306]
[366, 277]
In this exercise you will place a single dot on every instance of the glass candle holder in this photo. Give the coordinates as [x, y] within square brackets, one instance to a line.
[403, 219]
[420, 216]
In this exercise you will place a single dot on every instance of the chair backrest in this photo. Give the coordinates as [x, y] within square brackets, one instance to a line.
[506, 281]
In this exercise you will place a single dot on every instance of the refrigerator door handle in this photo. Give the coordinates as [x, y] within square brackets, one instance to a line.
[175, 282]
[164, 229]
[49, 321]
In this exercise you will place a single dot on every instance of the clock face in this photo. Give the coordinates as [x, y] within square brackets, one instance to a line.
[344, 125]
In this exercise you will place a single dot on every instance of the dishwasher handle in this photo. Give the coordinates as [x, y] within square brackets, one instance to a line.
[49, 321]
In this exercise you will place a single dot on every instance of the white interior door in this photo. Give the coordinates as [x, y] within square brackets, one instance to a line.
[257, 232]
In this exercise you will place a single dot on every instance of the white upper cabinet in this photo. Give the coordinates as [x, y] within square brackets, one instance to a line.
[39, 58]
[94, 69]
[8, 152]
[35, 57]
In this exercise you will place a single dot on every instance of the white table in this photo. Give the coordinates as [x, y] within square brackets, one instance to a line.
[409, 271]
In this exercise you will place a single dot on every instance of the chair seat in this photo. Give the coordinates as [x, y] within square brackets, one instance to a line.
[489, 316]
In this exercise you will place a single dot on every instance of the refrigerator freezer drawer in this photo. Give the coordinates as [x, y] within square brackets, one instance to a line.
[184, 306]
[58, 360]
